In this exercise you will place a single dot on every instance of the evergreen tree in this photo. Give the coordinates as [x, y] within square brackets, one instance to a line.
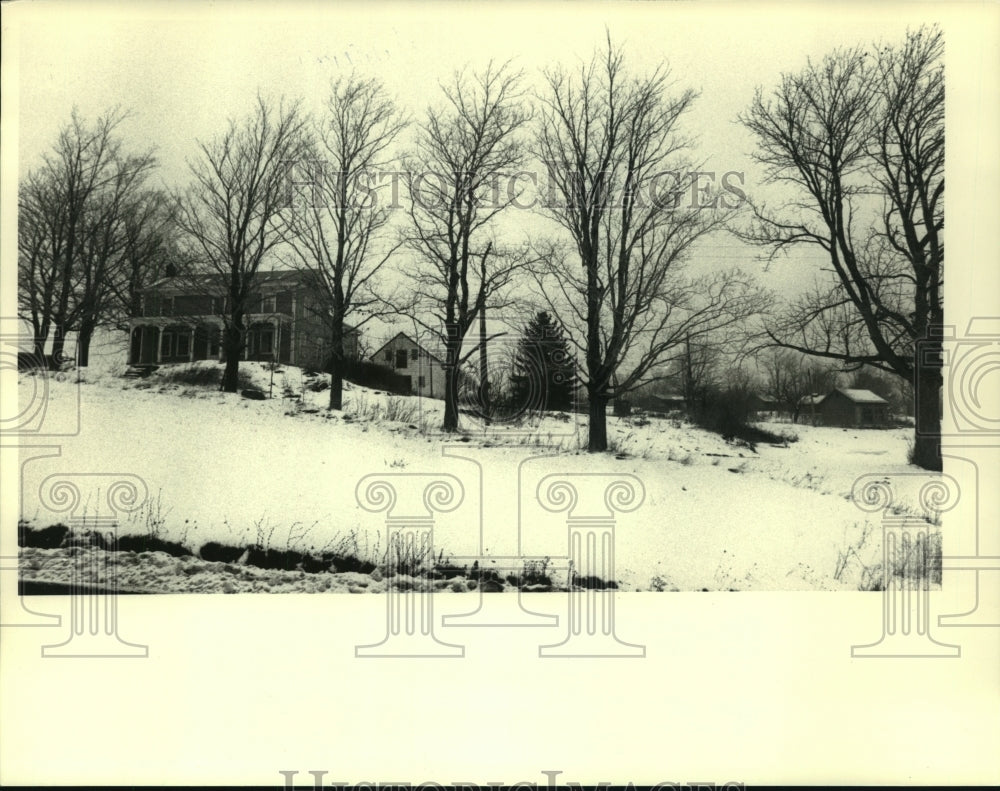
[544, 372]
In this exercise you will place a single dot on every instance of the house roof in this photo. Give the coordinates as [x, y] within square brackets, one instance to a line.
[205, 279]
[855, 396]
[424, 349]
[667, 398]
[861, 396]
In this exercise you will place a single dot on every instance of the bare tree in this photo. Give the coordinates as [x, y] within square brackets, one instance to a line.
[149, 249]
[337, 228]
[789, 376]
[69, 231]
[859, 139]
[232, 215]
[464, 148]
[628, 198]
[698, 366]
[38, 265]
[104, 246]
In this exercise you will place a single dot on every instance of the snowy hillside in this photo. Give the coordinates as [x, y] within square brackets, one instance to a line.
[282, 473]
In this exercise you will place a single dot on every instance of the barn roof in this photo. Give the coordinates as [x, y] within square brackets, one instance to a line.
[862, 396]
[436, 353]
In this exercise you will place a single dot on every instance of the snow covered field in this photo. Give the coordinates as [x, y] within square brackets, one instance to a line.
[283, 472]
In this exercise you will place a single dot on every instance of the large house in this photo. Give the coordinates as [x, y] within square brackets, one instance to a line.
[408, 358]
[180, 320]
[846, 407]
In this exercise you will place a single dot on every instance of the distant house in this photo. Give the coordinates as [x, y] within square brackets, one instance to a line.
[854, 408]
[180, 320]
[847, 407]
[759, 404]
[657, 402]
[809, 407]
[406, 357]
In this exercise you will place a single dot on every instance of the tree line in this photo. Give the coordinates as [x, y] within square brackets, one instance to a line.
[854, 141]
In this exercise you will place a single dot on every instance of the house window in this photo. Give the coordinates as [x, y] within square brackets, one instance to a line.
[421, 382]
[413, 354]
[268, 304]
[192, 305]
[260, 340]
[867, 415]
[401, 358]
[183, 344]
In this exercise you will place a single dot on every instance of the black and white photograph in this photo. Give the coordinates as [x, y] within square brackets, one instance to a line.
[590, 366]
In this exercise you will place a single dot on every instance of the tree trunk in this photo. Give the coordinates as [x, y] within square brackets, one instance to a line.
[232, 342]
[337, 366]
[927, 413]
[453, 347]
[336, 386]
[451, 400]
[598, 440]
[58, 344]
[83, 339]
[41, 338]
[484, 373]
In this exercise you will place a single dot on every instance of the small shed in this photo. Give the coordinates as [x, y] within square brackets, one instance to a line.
[854, 409]
[759, 404]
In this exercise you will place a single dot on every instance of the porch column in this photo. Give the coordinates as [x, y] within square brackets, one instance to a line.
[142, 338]
[191, 339]
[159, 346]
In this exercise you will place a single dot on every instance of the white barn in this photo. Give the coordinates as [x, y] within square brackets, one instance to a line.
[408, 358]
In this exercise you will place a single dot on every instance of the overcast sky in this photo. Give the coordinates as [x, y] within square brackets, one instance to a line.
[185, 68]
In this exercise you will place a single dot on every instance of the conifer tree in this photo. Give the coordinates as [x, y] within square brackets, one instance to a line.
[544, 374]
